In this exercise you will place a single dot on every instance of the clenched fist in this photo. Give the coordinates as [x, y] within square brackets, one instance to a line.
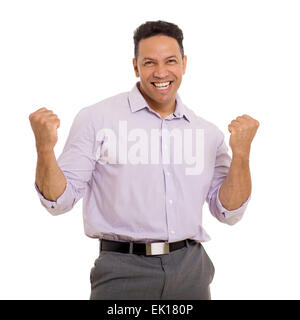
[44, 124]
[243, 130]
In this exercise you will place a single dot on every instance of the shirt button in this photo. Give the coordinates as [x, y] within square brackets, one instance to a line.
[170, 201]
[172, 231]
[167, 173]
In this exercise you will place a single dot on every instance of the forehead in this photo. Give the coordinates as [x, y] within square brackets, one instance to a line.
[158, 46]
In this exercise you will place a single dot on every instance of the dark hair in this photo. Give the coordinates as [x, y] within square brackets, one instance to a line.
[152, 28]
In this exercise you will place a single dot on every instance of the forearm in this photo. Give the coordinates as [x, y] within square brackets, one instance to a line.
[236, 188]
[49, 178]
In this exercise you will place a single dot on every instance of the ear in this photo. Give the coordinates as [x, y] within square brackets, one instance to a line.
[134, 62]
[184, 64]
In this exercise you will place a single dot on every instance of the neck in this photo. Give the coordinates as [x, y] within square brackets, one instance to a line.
[163, 109]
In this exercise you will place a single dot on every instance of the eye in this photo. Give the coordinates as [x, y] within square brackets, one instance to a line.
[147, 63]
[172, 61]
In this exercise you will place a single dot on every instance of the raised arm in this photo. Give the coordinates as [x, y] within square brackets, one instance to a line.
[237, 186]
[49, 178]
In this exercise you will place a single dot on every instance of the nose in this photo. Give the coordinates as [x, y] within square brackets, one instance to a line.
[160, 71]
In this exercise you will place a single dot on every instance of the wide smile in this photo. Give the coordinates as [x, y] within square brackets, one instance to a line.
[162, 87]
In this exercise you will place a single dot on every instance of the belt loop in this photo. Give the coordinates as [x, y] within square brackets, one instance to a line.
[187, 242]
[130, 247]
[99, 246]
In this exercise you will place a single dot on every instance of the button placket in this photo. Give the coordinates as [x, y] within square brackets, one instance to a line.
[169, 192]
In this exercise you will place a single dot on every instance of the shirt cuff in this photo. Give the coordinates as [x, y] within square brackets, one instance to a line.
[48, 204]
[229, 213]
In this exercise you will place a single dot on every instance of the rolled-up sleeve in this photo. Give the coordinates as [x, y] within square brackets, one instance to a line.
[221, 169]
[77, 162]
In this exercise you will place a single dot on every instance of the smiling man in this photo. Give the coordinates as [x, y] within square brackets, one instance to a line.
[160, 64]
[146, 207]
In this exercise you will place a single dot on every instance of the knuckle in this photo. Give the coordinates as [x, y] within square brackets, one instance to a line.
[33, 115]
[49, 125]
[42, 121]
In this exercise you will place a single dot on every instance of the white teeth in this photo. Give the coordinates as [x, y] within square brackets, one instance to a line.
[162, 84]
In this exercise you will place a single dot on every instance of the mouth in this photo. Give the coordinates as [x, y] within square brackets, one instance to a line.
[162, 86]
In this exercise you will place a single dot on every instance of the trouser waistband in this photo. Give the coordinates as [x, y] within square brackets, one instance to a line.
[149, 249]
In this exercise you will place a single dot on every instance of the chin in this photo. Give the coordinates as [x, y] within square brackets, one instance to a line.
[158, 97]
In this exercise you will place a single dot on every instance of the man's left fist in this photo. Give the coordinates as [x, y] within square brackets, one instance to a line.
[243, 130]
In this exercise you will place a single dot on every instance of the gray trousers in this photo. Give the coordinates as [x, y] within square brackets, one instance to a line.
[183, 274]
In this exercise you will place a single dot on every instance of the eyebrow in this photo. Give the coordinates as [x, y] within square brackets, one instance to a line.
[148, 58]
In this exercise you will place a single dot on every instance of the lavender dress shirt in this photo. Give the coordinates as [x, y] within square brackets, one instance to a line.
[143, 178]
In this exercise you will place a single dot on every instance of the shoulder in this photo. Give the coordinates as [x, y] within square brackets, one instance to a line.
[105, 111]
[201, 122]
[211, 129]
[107, 105]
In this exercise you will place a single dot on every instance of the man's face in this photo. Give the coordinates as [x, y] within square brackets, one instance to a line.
[160, 67]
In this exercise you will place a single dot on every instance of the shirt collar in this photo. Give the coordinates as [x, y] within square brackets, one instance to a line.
[138, 102]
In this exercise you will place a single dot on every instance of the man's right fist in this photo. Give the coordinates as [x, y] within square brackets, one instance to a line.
[44, 124]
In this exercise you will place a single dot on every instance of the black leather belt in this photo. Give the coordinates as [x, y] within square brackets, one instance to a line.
[149, 249]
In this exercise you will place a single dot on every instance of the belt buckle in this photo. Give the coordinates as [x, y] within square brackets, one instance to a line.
[157, 248]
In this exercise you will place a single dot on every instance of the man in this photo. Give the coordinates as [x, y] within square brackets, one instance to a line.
[144, 165]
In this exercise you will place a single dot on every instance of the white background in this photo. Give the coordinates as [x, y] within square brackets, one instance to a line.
[243, 57]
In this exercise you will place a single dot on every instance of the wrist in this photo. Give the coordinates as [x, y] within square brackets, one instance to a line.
[44, 151]
[242, 159]
[241, 154]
